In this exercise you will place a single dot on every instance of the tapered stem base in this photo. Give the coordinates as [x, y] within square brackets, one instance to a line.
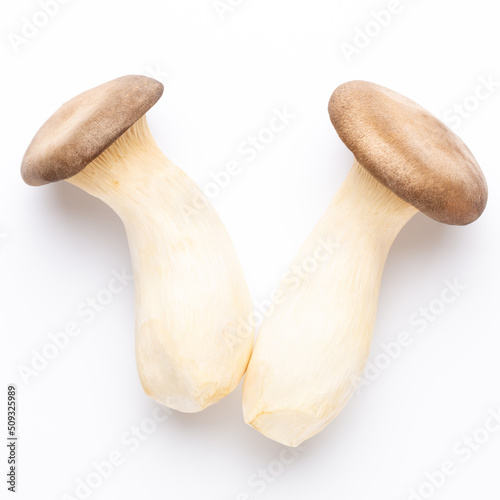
[315, 345]
[191, 295]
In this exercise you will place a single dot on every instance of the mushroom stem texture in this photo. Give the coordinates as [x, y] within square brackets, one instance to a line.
[313, 348]
[191, 295]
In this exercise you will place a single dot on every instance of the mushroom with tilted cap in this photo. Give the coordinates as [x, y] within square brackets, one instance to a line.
[312, 350]
[191, 295]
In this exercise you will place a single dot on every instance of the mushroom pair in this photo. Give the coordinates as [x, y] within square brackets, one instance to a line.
[191, 296]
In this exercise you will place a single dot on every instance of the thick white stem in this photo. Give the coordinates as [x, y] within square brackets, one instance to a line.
[191, 295]
[313, 348]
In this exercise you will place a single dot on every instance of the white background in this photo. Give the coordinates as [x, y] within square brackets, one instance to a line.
[223, 79]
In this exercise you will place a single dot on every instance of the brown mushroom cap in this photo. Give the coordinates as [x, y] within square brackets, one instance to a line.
[81, 129]
[410, 151]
